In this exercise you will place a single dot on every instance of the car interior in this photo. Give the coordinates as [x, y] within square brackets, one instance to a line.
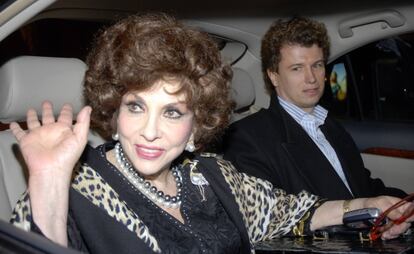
[27, 78]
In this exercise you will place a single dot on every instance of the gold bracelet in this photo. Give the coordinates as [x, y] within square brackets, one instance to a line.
[299, 228]
[346, 206]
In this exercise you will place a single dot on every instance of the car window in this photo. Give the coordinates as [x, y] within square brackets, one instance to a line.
[50, 37]
[340, 97]
[373, 82]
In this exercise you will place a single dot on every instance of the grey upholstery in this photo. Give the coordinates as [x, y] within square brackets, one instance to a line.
[242, 89]
[25, 82]
[12, 174]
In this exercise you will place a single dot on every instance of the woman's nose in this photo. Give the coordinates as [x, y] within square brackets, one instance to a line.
[150, 128]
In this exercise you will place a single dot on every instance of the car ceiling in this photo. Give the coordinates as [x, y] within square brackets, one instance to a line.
[219, 8]
[245, 20]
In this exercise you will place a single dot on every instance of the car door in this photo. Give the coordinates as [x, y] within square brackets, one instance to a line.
[370, 90]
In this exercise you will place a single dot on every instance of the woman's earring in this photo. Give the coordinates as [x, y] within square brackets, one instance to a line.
[190, 146]
[115, 136]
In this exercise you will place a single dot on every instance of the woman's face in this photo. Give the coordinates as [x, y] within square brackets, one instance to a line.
[154, 127]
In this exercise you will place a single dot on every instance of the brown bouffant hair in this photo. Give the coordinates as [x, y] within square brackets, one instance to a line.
[296, 31]
[138, 51]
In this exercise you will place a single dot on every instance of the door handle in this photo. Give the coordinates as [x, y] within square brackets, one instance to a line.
[391, 17]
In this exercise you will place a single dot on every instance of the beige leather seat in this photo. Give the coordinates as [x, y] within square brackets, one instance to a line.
[25, 82]
[242, 92]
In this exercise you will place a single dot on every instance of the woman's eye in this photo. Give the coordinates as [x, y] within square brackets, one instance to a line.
[134, 107]
[173, 113]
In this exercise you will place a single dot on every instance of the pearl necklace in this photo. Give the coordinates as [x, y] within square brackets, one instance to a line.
[145, 187]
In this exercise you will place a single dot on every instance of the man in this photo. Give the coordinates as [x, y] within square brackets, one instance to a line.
[293, 143]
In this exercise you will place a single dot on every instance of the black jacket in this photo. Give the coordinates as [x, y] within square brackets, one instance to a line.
[271, 145]
[104, 216]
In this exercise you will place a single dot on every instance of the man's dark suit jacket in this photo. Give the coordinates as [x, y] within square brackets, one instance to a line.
[271, 145]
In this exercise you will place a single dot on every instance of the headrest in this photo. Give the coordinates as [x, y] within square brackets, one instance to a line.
[242, 88]
[26, 81]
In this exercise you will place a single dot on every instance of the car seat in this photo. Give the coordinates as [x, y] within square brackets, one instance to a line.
[25, 82]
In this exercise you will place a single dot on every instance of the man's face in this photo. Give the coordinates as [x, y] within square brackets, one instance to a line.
[301, 76]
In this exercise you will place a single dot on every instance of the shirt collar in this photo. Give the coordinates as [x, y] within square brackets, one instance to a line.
[318, 114]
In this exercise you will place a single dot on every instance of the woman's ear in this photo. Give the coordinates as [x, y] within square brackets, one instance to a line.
[273, 76]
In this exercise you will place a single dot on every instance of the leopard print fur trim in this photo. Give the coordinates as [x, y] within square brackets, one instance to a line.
[93, 187]
[256, 197]
[21, 215]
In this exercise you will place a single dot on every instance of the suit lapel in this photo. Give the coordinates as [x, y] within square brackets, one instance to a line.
[305, 154]
[337, 141]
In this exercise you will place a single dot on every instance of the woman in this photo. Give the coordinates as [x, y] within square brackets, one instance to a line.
[158, 88]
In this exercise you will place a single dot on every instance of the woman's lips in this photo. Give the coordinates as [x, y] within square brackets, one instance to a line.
[148, 152]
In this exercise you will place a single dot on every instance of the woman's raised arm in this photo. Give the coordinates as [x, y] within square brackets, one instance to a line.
[51, 148]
